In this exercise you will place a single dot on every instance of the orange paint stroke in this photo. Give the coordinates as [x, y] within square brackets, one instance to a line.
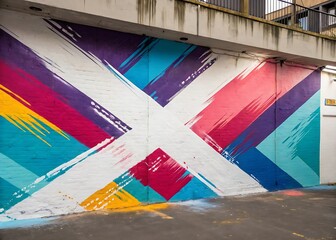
[113, 197]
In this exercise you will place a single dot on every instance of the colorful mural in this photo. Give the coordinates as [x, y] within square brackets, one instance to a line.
[93, 119]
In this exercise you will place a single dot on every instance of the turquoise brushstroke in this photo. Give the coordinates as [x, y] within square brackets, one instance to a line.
[26, 158]
[159, 57]
[194, 189]
[297, 143]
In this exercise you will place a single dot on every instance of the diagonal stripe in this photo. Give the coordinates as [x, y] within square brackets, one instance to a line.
[17, 55]
[15, 110]
[232, 111]
[288, 136]
[187, 104]
[121, 50]
[156, 61]
[8, 167]
[111, 165]
[161, 173]
[192, 63]
[266, 172]
[8, 195]
[112, 196]
[286, 106]
[32, 153]
[42, 100]
[242, 147]
[133, 186]
[195, 189]
[140, 55]
[38, 184]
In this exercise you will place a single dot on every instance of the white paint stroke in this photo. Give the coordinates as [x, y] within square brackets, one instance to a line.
[122, 98]
[197, 95]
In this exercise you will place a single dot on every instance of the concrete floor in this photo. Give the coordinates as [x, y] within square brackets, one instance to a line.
[295, 214]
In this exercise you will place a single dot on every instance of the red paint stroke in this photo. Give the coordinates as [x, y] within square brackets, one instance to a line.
[293, 193]
[238, 104]
[161, 173]
[47, 104]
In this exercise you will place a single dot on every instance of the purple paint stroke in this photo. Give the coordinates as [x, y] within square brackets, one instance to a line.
[20, 56]
[285, 107]
[116, 48]
[107, 45]
[179, 75]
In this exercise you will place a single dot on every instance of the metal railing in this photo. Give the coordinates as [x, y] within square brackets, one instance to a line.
[284, 12]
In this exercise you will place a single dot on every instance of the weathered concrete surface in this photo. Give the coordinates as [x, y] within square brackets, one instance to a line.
[295, 214]
[200, 24]
[328, 130]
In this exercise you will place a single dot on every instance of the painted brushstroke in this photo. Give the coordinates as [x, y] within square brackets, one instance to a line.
[284, 107]
[155, 61]
[64, 77]
[163, 174]
[7, 176]
[193, 99]
[183, 71]
[28, 165]
[17, 55]
[110, 197]
[240, 103]
[290, 137]
[15, 110]
[47, 104]
[11, 196]
[194, 189]
[121, 50]
[242, 149]
[161, 76]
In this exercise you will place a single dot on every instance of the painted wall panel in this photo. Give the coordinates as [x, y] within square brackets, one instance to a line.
[94, 119]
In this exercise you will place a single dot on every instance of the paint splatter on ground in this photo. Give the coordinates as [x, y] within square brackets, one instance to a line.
[258, 216]
[293, 193]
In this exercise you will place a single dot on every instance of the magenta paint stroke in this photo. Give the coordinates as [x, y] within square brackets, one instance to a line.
[20, 56]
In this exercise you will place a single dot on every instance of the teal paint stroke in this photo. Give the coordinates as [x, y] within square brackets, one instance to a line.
[28, 164]
[143, 194]
[14, 173]
[33, 154]
[6, 198]
[195, 189]
[161, 54]
[295, 138]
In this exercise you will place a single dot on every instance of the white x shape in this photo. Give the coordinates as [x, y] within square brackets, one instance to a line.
[152, 127]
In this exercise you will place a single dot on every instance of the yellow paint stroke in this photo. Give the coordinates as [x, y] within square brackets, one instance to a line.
[113, 197]
[13, 109]
[299, 235]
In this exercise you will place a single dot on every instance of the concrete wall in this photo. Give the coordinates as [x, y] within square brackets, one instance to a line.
[94, 119]
[328, 129]
[201, 24]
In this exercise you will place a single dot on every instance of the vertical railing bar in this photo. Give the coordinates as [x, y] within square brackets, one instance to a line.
[285, 12]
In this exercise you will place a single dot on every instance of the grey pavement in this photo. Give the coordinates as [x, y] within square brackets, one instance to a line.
[294, 214]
